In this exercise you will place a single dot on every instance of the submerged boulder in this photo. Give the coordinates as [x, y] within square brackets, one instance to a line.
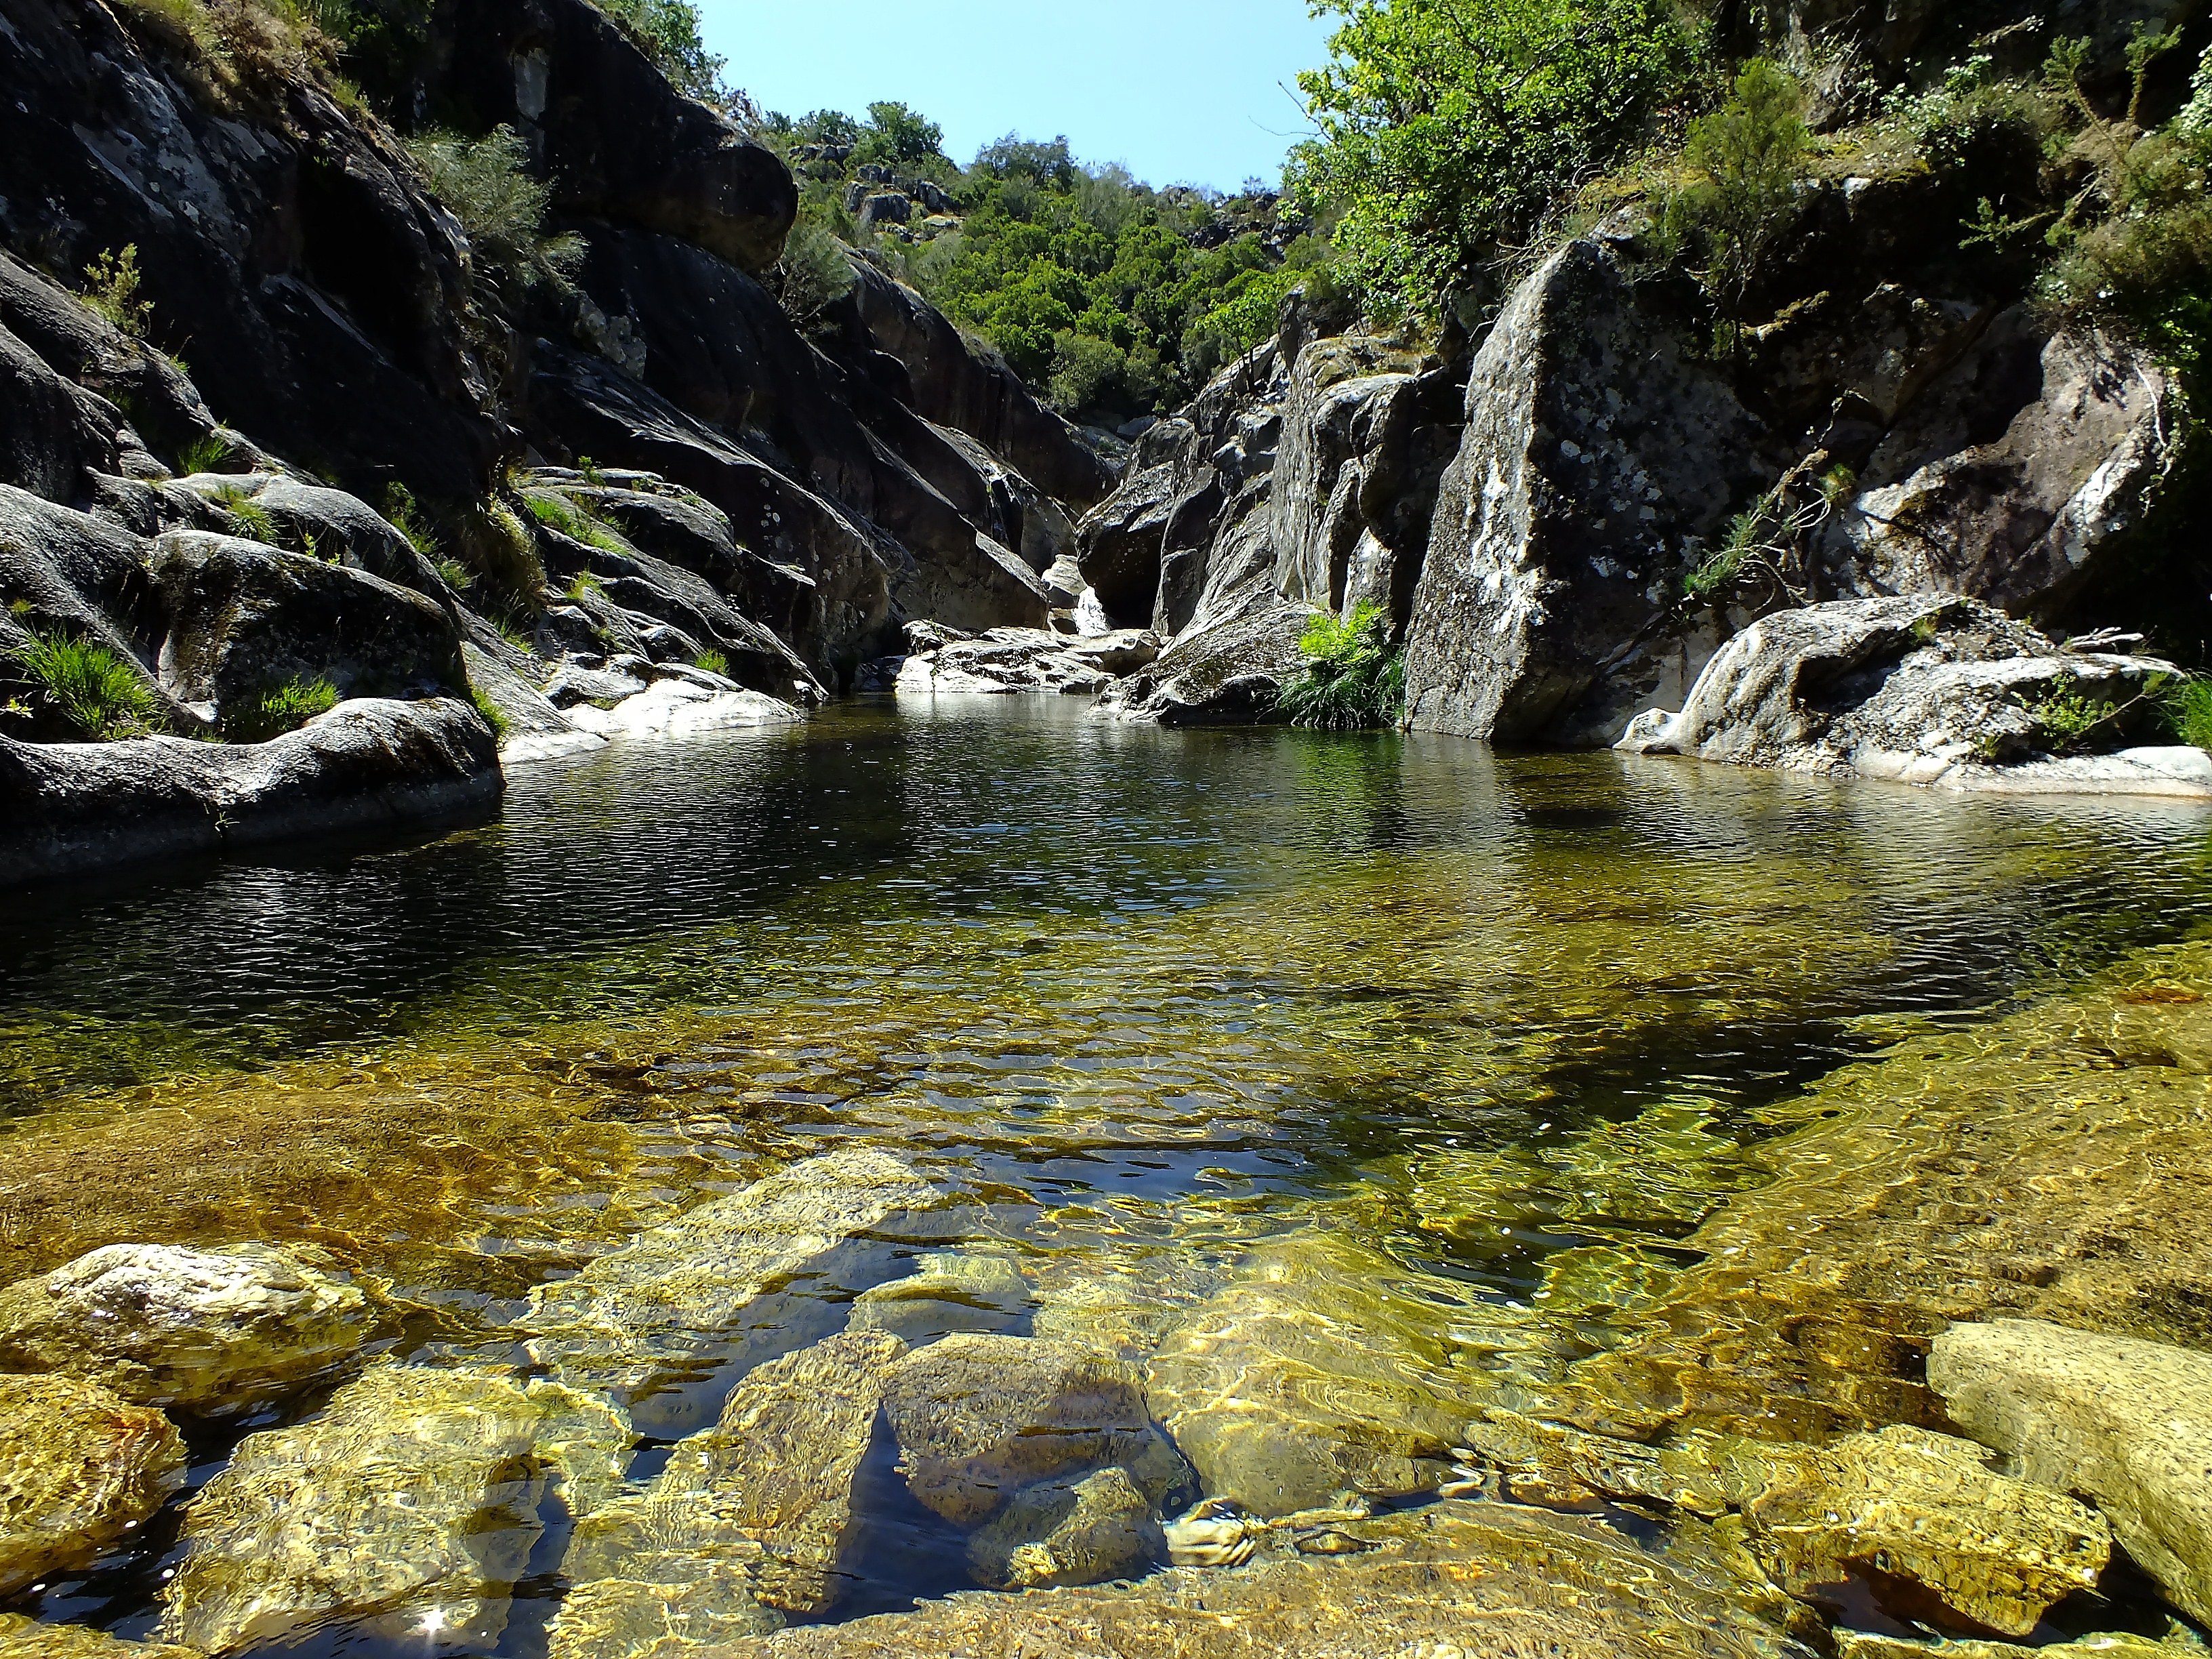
[755, 1513]
[1070, 1532]
[2125, 1423]
[947, 1291]
[407, 1507]
[979, 1417]
[1309, 1374]
[79, 1468]
[692, 1297]
[1931, 690]
[210, 1332]
[26, 1639]
[1921, 1519]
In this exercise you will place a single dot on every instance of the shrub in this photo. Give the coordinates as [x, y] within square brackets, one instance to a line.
[1748, 162]
[1351, 677]
[484, 183]
[714, 662]
[251, 517]
[816, 273]
[2068, 720]
[111, 287]
[2188, 707]
[275, 710]
[99, 693]
[207, 454]
[669, 33]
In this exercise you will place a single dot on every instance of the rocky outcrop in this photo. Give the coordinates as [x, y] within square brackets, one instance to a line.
[207, 1331]
[1932, 690]
[409, 1505]
[2126, 1424]
[1011, 659]
[713, 1289]
[364, 768]
[1600, 454]
[79, 1468]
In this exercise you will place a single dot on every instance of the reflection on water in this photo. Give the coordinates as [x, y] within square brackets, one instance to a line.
[1137, 1000]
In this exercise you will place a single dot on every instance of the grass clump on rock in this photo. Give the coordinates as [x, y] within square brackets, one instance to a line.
[278, 709]
[1352, 678]
[98, 692]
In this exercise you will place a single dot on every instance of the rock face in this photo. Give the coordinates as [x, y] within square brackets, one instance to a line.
[369, 766]
[206, 1332]
[713, 1289]
[1452, 1578]
[1921, 1517]
[78, 1468]
[1306, 1375]
[2126, 1424]
[1010, 659]
[1933, 690]
[407, 1506]
[979, 1417]
[1575, 504]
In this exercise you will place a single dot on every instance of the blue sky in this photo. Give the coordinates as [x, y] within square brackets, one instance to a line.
[1179, 91]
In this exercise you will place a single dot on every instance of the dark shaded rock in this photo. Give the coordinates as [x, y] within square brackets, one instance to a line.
[618, 142]
[1599, 456]
[342, 529]
[245, 618]
[364, 766]
[51, 431]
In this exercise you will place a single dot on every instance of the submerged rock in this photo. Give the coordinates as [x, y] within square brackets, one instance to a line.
[755, 1512]
[1308, 1374]
[408, 1507]
[1920, 1517]
[2178, 1642]
[686, 1298]
[1453, 1579]
[210, 1332]
[2124, 1423]
[1564, 1467]
[79, 1468]
[26, 1639]
[1931, 690]
[948, 1291]
[979, 1417]
[632, 1619]
[1079, 1532]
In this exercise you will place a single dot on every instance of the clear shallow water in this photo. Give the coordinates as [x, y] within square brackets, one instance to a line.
[1138, 998]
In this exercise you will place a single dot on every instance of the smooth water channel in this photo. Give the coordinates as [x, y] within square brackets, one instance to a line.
[1138, 999]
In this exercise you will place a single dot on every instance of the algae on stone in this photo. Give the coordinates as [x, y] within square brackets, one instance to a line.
[979, 1417]
[209, 1332]
[79, 1468]
[2123, 1423]
[408, 1505]
[688, 1298]
[760, 1505]
[1070, 1532]
[26, 1639]
[1314, 1370]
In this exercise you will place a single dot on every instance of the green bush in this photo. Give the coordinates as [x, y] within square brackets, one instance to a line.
[275, 710]
[111, 287]
[494, 715]
[2188, 707]
[669, 33]
[817, 270]
[1352, 678]
[1748, 163]
[95, 691]
[714, 662]
[1450, 133]
[484, 184]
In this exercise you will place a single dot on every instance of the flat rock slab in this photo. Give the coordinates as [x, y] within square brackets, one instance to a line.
[408, 1506]
[1454, 1579]
[79, 1468]
[760, 1504]
[1922, 1518]
[686, 1298]
[208, 1332]
[2127, 1423]
[1309, 1374]
[979, 1417]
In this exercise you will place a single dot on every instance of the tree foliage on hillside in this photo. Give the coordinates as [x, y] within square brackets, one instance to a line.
[1450, 131]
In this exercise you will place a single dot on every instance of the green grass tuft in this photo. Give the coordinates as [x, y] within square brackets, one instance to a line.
[249, 514]
[99, 693]
[2188, 707]
[1352, 678]
[494, 715]
[210, 452]
[272, 712]
[714, 662]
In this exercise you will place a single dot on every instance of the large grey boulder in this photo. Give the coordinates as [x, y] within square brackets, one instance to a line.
[714, 1288]
[79, 1468]
[1936, 691]
[210, 1332]
[1015, 659]
[245, 618]
[1600, 454]
[2126, 1424]
[979, 1417]
[756, 1513]
[407, 1506]
[366, 766]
